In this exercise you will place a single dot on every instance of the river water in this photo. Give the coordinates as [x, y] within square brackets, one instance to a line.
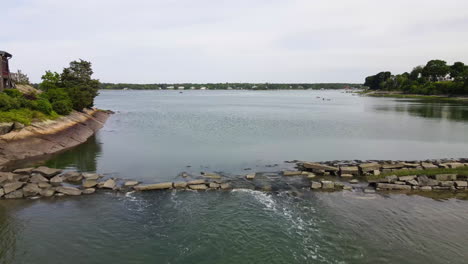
[155, 135]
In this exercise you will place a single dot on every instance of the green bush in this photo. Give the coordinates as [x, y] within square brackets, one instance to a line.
[62, 107]
[13, 93]
[8, 103]
[44, 106]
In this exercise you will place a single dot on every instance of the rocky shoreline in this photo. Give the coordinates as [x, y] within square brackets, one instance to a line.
[18, 142]
[362, 176]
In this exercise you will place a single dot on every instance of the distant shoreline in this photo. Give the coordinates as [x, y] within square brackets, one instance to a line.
[396, 94]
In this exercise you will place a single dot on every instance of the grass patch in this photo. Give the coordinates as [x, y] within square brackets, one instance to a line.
[25, 116]
[428, 172]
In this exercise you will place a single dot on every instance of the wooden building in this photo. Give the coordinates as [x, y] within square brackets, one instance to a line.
[5, 76]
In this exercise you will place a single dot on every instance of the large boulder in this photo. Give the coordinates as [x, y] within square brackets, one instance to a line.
[428, 165]
[46, 171]
[37, 178]
[426, 181]
[368, 167]
[14, 195]
[318, 166]
[446, 177]
[68, 190]
[6, 127]
[328, 185]
[72, 176]
[461, 184]
[214, 185]
[91, 176]
[12, 186]
[109, 184]
[31, 189]
[225, 186]
[56, 180]
[156, 186]
[353, 170]
[407, 178]
[89, 183]
[49, 192]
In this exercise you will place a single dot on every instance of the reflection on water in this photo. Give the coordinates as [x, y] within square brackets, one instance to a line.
[431, 109]
[7, 237]
[82, 157]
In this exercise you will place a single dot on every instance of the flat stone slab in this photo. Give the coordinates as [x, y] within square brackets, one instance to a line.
[427, 166]
[12, 186]
[156, 186]
[316, 185]
[292, 173]
[354, 170]
[446, 177]
[89, 183]
[366, 167]
[68, 190]
[130, 183]
[407, 178]
[110, 184]
[318, 166]
[46, 171]
[180, 185]
[198, 187]
[389, 186]
[23, 171]
[250, 176]
[328, 185]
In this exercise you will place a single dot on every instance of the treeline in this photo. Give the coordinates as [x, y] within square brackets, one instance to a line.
[434, 78]
[225, 86]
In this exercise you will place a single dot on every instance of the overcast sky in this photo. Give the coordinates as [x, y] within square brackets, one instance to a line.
[153, 41]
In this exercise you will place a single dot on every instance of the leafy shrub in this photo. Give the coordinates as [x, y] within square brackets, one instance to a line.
[13, 93]
[62, 107]
[8, 103]
[44, 106]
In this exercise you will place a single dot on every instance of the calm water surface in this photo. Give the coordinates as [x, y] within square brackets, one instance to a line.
[155, 135]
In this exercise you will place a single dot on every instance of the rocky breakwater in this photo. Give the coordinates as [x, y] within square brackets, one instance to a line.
[383, 175]
[19, 142]
[40, 182]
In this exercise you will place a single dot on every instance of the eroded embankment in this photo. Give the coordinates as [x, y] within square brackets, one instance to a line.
[47, 137]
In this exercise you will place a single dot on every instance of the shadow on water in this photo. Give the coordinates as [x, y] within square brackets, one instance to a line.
[434, 110]
[82, 157]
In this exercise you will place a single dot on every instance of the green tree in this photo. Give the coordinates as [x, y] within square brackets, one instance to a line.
[79, 84]
[50, 80]
[457, 69]
[435, 69]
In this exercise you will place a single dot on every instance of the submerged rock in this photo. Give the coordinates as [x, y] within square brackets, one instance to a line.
[130, 183]
[89, 191]
[292, 173]
[250, 176]
[328, 185]
[316, 185]
[388, 186]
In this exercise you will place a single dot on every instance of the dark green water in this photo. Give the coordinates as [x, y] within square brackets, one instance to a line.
[155, 135]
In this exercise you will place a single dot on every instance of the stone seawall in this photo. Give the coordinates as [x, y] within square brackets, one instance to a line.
[47, 137]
